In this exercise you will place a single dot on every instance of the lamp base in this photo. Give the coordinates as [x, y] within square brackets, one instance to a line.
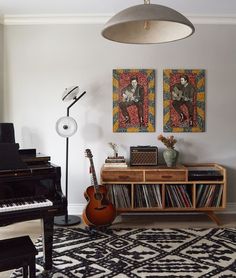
[67, 220]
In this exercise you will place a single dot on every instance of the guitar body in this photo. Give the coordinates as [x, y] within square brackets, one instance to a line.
[177, 94]
[99, 211]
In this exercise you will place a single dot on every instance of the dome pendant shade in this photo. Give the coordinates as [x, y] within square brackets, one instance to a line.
[147, 24]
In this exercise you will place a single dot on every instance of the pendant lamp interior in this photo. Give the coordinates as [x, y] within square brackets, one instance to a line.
[147, 24]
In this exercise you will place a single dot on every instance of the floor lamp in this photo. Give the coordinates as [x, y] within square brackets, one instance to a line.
[66, 127]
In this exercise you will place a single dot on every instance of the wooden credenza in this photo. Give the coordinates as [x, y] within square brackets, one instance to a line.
[187, 188]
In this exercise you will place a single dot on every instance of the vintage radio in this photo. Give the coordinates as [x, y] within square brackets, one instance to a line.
[143, 156]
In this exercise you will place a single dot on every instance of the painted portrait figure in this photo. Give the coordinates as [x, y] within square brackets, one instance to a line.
[184, 96]
[133, 99]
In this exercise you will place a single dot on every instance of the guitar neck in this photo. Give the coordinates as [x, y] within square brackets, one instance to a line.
[94, 177]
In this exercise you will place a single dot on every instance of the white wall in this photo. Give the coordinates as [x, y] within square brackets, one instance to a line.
[40, 61]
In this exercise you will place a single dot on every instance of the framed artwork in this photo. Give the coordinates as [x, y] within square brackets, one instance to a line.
[184, 100]
[133, 100]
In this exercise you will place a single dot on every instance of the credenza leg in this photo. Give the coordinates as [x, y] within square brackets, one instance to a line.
[213, 217]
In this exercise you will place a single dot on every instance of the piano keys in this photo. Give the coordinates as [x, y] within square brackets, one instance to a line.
[32, 192]
[9, 205]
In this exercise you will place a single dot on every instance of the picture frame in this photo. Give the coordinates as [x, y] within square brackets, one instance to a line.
[133, 100]
[184, 100]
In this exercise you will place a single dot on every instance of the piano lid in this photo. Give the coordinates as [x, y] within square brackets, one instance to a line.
[10, 158]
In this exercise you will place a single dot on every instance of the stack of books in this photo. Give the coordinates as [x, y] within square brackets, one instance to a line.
[118, 161]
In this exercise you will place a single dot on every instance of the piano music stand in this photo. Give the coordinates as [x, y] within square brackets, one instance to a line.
[66, 127]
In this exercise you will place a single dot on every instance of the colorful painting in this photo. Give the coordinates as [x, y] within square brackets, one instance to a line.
[133, 100]
[184, 100]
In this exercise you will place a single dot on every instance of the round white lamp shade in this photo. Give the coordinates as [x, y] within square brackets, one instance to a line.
[66, 126]
[147, 24]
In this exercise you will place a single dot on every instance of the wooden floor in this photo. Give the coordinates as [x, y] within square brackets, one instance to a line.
[33, 228]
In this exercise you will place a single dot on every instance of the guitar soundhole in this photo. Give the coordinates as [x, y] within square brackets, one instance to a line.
[98, 196]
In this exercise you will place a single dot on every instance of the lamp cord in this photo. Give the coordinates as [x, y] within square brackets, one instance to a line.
[146, 25]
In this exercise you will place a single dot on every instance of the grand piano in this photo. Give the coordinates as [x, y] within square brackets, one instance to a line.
[30, 188]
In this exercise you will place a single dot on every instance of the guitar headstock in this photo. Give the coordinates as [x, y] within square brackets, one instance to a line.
[88, 153]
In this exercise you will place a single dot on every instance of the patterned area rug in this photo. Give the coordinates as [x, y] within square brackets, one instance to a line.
[135, 253]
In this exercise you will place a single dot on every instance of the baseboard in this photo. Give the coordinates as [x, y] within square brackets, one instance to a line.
[230, 209]
[77, 209]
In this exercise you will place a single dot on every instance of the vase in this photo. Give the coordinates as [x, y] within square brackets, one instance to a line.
[170, 157]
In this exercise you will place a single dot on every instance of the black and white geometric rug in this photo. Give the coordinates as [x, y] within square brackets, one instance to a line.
[135, 253]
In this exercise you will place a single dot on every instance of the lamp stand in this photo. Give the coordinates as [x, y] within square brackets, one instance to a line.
[68, 220]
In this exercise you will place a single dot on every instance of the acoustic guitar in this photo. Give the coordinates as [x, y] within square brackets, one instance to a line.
[99, 211]
[177, 94]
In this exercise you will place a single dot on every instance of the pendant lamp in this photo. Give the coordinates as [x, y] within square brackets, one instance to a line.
[147, 24]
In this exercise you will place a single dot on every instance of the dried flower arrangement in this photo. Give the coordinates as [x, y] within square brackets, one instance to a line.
[114, 146]
[169, 142]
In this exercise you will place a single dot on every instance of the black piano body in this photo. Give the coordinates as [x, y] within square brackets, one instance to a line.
[38, 178]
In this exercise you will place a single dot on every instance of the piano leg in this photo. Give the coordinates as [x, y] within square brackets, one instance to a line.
[47, 223]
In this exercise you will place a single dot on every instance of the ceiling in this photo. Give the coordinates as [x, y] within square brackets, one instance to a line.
[188, 7]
